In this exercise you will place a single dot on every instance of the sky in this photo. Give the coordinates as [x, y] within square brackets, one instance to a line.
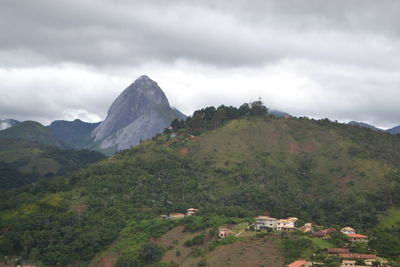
[321, 59]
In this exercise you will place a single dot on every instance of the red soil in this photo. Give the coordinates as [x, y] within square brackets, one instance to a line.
[294, 147]
[184, 151]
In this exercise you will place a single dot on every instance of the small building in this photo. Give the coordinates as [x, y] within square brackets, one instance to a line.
[346, 263]
[224, 232]
[285, 225]
[348, 230]
[176, 216]
[324, 234]
[333, 251]
[307, 228]
[263, 222]
[191, 211]
[357, 238]
[300, 263]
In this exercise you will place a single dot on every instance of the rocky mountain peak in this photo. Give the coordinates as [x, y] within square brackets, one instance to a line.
[139, 112]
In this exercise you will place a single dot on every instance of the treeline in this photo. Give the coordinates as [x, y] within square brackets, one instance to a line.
[210, 118]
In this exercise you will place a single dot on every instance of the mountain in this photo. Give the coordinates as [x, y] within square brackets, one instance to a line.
[365, 125]
[278, 113]
[7, 123]
[232, 169]
[23, 162]
[394, 130]
[74, 134]
[140, 112]
[31, 131]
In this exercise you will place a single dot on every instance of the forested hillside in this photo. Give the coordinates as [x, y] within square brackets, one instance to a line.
[230, 163]
[23, 162]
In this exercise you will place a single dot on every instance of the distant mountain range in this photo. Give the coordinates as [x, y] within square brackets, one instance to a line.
[140, 112]
[365, 125]
[394, 130]
[73, 134]
[31, 131]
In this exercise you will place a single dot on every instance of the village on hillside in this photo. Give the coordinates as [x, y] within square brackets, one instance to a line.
[353, 250]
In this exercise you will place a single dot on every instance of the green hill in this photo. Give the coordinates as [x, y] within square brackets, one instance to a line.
[320, 171]
[74, 134]
[31, 131]
[23, 162]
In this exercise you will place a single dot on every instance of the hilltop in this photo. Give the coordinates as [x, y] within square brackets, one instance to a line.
[236, 167]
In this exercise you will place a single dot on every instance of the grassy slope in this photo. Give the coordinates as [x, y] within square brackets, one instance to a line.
[391, 218]
[288, 167]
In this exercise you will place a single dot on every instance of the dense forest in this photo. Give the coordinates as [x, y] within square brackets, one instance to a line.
[232, 164]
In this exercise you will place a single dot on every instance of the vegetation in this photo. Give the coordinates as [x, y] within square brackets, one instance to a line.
[296, 248]
[231, 167]
[23, 162]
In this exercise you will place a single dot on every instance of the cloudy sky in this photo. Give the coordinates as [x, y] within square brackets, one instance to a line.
[70, 59]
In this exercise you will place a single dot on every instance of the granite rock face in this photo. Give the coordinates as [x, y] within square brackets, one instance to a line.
[140, 112]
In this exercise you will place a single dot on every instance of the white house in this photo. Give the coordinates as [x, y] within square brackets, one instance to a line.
[285, 225]
[348, 231]
[263, 222]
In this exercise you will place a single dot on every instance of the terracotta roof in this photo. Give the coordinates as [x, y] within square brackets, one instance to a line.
[298, 263]
[324, 232]
[338, 250]
[357, 256]
[357, 236]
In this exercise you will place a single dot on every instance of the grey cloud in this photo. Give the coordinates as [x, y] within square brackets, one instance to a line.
[222, 33]
[348, 51]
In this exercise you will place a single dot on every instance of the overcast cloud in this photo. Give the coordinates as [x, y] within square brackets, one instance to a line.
[70, 59]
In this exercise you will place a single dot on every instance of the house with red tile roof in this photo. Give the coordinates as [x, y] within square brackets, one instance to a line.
[357, 238]
[300, 263]
[324, 234]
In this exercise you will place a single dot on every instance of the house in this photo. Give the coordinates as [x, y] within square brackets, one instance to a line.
[346, 263]
[348, 230]
[191, 211]
[300, 263]
[224, 232]
[307, 228]
[338, 250]
[285, 224]
[324, 234]
[263, 222]
[357, 238]
[356, 256]
[176, 216]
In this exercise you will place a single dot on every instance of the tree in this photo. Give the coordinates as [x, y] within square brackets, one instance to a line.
[244, 109]
[150, 253]
[257, 108]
